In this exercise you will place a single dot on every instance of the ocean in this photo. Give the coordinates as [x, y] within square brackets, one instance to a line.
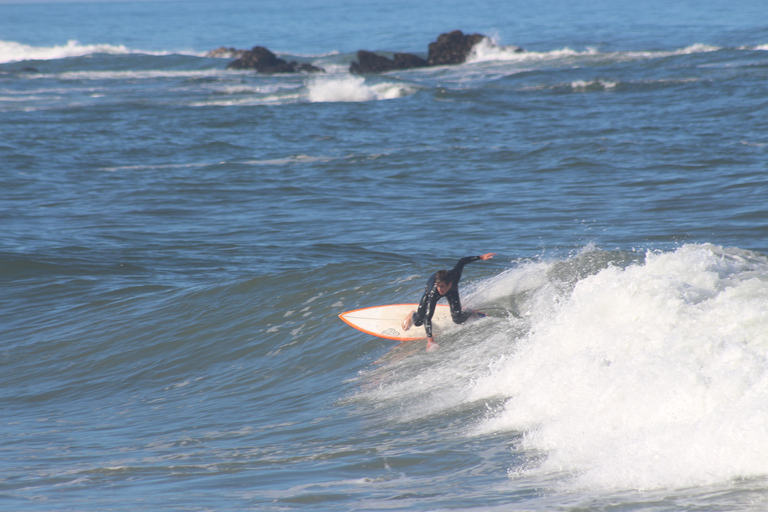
[178, 240]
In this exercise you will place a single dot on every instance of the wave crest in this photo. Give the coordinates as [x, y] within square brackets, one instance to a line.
[353, 88]
[12, 51]
[648, 376]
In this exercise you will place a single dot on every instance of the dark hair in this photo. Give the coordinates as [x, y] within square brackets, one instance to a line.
[443, 276]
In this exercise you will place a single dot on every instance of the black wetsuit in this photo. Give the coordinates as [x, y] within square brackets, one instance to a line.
[428, 302]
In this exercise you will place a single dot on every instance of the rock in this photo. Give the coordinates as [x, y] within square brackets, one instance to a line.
[225, 53]
[369, 62]
[264, 61]
[409, 61]
[452, 48]
[307, 68]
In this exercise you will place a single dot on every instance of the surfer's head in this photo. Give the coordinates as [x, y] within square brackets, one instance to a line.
[443, 281]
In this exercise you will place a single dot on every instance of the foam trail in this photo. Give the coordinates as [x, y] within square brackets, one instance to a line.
[649, 376]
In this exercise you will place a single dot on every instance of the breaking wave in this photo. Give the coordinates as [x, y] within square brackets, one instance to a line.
[489, 51]
[617, 370]
[353, 88]
[12, 51]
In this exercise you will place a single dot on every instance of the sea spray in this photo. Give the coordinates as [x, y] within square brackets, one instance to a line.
[619, 369]
[352, 88]
[407, 383]
[648, 376]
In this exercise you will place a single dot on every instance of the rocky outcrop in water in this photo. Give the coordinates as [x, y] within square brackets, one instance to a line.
[369, 62]
[449, 48]
[264, 61]
[452, 48]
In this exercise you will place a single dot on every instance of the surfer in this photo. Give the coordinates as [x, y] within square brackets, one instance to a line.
[443, 283]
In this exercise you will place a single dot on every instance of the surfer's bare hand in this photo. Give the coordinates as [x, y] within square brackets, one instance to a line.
[431, 345]
[487, 256]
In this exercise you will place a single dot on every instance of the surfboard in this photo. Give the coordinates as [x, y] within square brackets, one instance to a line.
[384, 321]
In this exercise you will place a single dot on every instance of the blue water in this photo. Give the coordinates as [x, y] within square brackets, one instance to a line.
[178, 240]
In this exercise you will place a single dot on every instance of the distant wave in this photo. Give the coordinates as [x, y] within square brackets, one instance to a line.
[12, 51]
[133, 74]
[488, 51]
[319, 89]
[288, 160]
[593, 85]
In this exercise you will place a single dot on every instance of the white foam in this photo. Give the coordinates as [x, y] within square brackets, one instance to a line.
[592, 85]
[317, 89]
[352, 88]
[489, 51]
[11, 51]
[646, 377]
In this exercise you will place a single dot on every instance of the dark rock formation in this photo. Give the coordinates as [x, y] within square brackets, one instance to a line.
[369, 62]
[264, 61]
[409, 61]
[452, 48]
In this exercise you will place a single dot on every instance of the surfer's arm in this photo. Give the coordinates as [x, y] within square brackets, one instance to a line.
[429, 312]
[458, 316]
[431, 303]
[456, 272]
[427, 307]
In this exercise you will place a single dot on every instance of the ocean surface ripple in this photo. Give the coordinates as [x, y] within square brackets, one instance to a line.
[179, 239]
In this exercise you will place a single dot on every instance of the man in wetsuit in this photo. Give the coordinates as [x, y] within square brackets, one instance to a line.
[444, 283]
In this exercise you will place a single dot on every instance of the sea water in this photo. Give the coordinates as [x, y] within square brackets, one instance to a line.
[178, 240]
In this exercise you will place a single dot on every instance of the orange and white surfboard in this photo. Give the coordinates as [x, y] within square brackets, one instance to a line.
[385, 321]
